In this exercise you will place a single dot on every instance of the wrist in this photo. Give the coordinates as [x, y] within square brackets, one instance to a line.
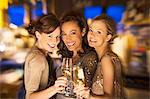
[53, 89]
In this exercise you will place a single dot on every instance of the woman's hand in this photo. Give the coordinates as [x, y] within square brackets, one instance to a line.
[60, 84]
[82, 91]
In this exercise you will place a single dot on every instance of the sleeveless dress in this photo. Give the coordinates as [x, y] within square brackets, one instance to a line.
[88, 63]
[97, 85]
[93, 75]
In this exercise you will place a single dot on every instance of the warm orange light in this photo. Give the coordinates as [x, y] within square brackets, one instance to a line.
[3, 4]
[3, 7]
[1, 18]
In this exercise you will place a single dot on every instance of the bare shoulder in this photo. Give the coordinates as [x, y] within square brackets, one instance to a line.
[107, 63]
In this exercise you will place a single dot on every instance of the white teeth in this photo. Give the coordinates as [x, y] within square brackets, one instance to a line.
[71, 43]
[92, 40]
[52, 45]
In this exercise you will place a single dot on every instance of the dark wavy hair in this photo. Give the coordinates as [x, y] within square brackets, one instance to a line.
[82, 23]
[110, 25]
[45, 24]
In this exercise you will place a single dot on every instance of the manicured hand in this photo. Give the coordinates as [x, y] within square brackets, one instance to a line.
[60, 84]
[82, 91]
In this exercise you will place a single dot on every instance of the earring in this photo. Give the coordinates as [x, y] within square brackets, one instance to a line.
[83, 31]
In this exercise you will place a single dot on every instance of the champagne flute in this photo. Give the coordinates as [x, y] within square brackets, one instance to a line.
[66, 68]
[67, 72]
[78, 75]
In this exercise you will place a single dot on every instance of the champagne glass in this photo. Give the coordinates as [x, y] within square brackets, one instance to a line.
[67, 72]
[78, 75]
[66, 68]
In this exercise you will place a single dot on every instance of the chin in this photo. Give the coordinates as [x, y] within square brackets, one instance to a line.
[50, 50]
[91, 45]
[70, 49]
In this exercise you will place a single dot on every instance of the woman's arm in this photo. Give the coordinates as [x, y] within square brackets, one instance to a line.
[107, 69]
[108, 75]
[33, 72]
[59, 85]
[108, 79]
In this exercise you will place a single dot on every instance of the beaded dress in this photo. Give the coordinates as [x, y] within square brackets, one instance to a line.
[97, 85]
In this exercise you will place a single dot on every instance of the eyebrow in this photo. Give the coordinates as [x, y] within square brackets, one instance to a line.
[70, 31]
[50, 34]
[73, 30]
[97, 29]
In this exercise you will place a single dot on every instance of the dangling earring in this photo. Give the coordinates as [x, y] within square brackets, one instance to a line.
[83, 31]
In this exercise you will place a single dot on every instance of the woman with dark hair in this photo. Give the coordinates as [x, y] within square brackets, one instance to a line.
[73, 44]
[107, 81]
[39, 72]
[78, 27]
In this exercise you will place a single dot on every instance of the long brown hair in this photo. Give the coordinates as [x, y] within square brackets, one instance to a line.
[45, 24]
[110, 25]
[79, 19]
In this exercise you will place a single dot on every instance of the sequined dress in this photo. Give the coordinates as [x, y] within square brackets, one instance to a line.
[88, 62]
[94, 78]
[97, 82]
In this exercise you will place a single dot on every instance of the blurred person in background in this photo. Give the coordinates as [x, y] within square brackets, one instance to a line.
[39, 72]
[74, 45]
[107, 81]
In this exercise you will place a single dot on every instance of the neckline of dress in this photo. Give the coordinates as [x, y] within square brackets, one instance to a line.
[103, 55]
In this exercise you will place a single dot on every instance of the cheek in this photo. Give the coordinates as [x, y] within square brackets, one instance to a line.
[42, 40]
[88, 37]
[64, 39]
[78, 39]
[58, 40]
[101, 39]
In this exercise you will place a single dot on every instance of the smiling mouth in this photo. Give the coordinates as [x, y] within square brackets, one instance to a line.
[92, 41]
[52, 45]
[70, 43]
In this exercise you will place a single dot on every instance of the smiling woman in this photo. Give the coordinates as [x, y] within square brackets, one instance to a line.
[107, 82]
[40, 75]
[73, 44]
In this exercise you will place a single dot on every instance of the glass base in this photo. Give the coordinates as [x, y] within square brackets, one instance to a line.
[69, 90]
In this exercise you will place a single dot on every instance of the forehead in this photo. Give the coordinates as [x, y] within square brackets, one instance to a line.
[55, 32]
[98, 24]
[70, 24]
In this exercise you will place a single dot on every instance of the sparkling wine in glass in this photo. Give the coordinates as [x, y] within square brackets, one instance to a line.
[78, 75]
[67, 72]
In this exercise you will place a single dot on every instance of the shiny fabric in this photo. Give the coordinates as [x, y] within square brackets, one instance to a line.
[97, 86]
[88, 62]
[93, 75]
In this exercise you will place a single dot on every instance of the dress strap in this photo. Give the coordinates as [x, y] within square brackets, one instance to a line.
[103, 56]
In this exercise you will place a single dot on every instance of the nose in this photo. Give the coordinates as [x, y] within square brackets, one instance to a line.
[54, 40]
[68, 37]
[91, 34]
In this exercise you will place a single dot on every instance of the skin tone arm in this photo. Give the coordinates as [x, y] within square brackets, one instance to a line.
[59, 85]
[108, 78]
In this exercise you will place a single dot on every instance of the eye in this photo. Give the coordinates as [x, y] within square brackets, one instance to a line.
[99, 32]
[63, 34]
[50, 36]
[90, 30]
[58, 37]
[73, 32]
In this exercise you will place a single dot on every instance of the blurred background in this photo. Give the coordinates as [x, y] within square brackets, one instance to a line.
[132, 44]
